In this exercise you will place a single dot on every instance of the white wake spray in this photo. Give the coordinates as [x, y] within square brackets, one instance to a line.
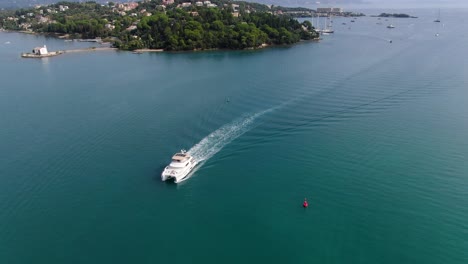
[217, 140]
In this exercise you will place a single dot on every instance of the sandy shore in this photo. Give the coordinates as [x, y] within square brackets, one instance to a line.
[148, 50]
[90, 49]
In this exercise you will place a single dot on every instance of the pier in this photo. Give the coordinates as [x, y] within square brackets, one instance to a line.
[41, 53]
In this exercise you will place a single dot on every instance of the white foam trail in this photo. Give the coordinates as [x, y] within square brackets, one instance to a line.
[214, 142]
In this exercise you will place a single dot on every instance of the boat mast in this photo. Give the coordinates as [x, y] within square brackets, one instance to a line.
[317, 27]
[438, 17]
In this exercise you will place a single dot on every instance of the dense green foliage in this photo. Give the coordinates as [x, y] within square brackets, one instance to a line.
[8, 24]
[215, 28]
[87, 19]
[171, 28]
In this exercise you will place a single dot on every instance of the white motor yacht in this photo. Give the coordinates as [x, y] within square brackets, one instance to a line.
[181, 165]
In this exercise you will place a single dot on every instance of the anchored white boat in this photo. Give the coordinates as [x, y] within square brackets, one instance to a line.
[181, 165]
[391, 24]
[438, 18]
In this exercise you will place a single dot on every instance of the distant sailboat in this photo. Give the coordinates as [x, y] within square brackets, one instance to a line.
[438, 18]
[328, 28]
[391, 25]
[317, 25]
[438, 21]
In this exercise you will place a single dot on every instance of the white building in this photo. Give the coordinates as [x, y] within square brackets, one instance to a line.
[44, 20]
[25, 26]
[199, 3]
[186, 4]
[324, 10]
[40, 51]
[207, 2]
[337, 10]
[329, 10]
[130, 28]
[62, 8]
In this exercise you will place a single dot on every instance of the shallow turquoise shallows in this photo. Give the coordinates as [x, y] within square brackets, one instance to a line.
[374, 134]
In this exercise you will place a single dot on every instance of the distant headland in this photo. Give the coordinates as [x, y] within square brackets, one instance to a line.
[395, 15]
[169, 25]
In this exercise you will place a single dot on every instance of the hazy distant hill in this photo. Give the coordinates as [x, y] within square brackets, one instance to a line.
[23, 3]
[306, 3]
[29, 3]
[303, 3]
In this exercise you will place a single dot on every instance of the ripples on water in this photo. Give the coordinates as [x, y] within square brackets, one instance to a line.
[373, 133]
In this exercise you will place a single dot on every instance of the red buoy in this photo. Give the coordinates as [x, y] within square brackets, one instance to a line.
[305, 204]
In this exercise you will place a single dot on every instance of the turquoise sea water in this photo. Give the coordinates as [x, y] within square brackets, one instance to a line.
[373, 133]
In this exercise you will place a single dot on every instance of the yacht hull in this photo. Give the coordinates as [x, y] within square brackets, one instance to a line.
[177, 175]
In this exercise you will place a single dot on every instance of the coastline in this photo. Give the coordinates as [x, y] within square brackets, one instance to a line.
[91, 49]
[139, 51]
[88, 22]
[261, 47]
[67, 37]
[146, 50]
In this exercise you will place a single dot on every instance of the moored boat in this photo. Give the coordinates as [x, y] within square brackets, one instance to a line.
[438, 18]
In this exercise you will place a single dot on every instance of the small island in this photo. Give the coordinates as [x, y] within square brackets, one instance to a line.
[169, 25]
[395, 15]
[41, 52]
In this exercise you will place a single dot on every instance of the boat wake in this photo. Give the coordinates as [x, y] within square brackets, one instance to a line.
[217, 140]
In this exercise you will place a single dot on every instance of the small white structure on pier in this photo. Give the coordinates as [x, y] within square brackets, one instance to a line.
[40, 50]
